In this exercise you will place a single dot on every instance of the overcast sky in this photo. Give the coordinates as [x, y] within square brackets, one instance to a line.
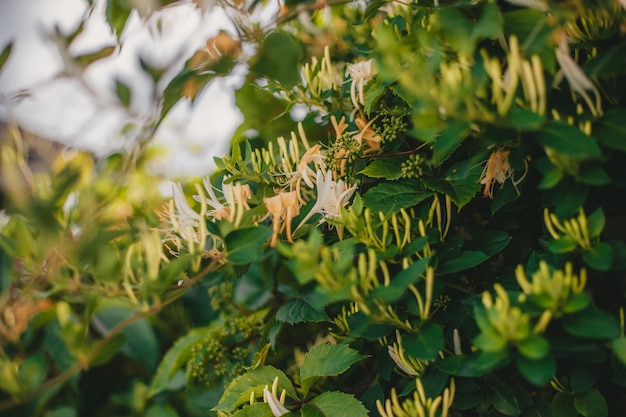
[65, 110]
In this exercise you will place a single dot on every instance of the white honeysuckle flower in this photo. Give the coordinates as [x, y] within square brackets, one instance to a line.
[236, 197]
[276, 406]
[187, 216]
[220, 210]
[578, 80]
[393, 354]
[456, 341]
[533, 4]
[360, 73]
[331, 196]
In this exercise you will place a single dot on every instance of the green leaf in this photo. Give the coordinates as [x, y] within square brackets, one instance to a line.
[390, 197]
[611, 131]
[563, 406]
[502, 398]
[399, 284]
[117, 13]
[607, 62]
[109, 350]
[534, 347]
[619, 348]
[425, 343]
[5, 54]
[564, 244]
[592, 324]
[593, 175]
[491, 242]
[123, 92]
[326, 360]
[537, 371]
[595, 222]
[141, 342]
[466, 260]
[460, 183]
[278, 58]
[246, 245]
[599, 257]
[334, 404]
[449, 140]
[161, 410]
[568, 140]
[298, 311]
[175, 358]
[257, 409]
[63, 411]
[387, 168]
[92, 57]
[591, 404]
[238, 391]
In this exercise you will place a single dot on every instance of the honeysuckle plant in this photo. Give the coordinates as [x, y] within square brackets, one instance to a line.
[421, 215]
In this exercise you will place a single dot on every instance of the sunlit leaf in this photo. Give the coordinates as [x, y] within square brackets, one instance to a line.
[326, 360]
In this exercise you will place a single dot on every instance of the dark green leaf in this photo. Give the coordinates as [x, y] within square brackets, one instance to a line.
[475, 364]
[619, 348]
[175, 358]
[491, 242]
[608, 62]
[611, 131]
[595, 222]
[563, 406]
[326, 360]
[591, 404]
[465, 260]
[599, 257]
[425, 343]
[562, 245]
[539, 371]
[238, 391]
[502, 398]
[387, 168]
[257, 409]
[461, 183]
[246, 245]
[123, 92]
[141, 342]
[592, 324]
[449, 140]
[534, 347]
[568, 140]
[390, 197]
[593, 175]
[583, 377]
[334, 404]
[4, 55]
[298, 311]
